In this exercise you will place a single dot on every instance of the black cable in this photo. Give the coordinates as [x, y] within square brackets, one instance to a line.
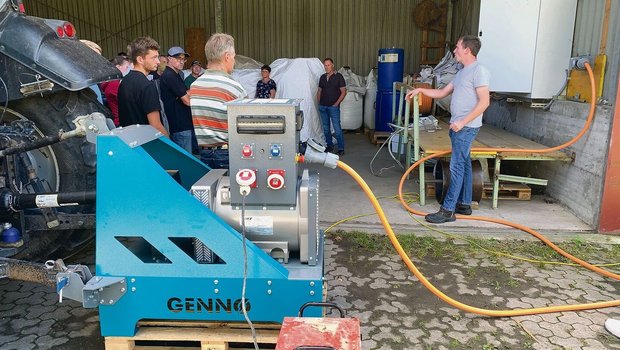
[548, 105]
[6, 103]
[245, 273]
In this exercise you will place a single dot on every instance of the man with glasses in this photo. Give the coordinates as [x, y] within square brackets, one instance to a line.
[208, 97]
[176, 99]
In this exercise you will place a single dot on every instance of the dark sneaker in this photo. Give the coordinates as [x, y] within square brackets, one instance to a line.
[440, 217]
[462, 209]
[329, 149]
[341, 152]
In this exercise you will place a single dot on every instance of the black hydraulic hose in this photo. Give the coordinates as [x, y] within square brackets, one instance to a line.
[25, 147]
[22, 201]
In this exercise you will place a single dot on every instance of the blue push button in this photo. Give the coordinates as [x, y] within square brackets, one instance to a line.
[276, 150]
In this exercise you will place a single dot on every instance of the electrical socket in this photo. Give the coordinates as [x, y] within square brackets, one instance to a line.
[579, 62]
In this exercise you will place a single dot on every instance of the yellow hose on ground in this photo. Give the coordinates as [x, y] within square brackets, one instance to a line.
[453, 302]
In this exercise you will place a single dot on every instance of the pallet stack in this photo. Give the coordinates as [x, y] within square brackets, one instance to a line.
[189, 335]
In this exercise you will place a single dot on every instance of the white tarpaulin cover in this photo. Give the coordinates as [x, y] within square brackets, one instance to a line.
[295, 78]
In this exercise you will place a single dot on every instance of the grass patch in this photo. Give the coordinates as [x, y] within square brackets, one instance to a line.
[424, 247]
[415, 246]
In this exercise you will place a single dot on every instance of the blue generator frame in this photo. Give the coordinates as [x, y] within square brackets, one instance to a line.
[144, 211]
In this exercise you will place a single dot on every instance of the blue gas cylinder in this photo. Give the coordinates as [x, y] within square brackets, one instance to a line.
[10, 234]
[390, 67]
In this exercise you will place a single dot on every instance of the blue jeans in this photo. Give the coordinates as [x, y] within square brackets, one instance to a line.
[214, 158]
[183, 139]
[331, 114]
[460, 187]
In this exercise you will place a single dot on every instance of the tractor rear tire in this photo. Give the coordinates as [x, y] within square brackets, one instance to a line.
[68, 165]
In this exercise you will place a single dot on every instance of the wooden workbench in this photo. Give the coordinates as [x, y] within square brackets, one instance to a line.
[421, 143]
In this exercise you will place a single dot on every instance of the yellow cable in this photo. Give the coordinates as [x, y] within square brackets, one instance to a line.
[451, 235]
[440, 294]
[345, 220]
[465, 239]
[496, 252]
[453, 302]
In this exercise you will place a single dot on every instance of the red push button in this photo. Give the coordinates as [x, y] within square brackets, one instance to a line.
[247, 151]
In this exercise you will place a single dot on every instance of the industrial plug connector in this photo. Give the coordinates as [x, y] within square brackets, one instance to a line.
[315, 153]
[245, 178]
[579, 62]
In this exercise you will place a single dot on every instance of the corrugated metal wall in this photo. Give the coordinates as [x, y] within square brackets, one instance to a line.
[114, 23]
[587, 40]
[465, 15]
[349, 31]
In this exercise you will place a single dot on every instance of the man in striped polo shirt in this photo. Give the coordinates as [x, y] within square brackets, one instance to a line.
[208, 95]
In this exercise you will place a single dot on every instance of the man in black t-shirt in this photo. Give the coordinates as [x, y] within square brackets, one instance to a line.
[176, 100]
[138, 100]
[332, 90]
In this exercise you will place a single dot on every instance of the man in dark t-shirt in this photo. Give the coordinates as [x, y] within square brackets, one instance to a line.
[138, 100]
[176, 99]
[196, 71]
[332, 90]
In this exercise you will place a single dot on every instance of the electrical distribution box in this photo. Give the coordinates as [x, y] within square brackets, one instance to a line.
[526, 45]
[263, 138]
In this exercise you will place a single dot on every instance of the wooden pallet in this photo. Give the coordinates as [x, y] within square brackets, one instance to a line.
[378, 137]
[189, 335]
[509, 190]
[429, 185]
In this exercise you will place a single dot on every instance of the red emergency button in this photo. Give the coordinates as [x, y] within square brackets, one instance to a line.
[247, 151]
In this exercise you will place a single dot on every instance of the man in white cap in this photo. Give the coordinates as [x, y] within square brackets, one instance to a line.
[176, 99]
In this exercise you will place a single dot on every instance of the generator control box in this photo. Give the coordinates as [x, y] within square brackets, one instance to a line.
[263, 139]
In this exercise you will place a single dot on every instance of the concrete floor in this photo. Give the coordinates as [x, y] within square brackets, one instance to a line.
[396, 312]
[341, 197]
